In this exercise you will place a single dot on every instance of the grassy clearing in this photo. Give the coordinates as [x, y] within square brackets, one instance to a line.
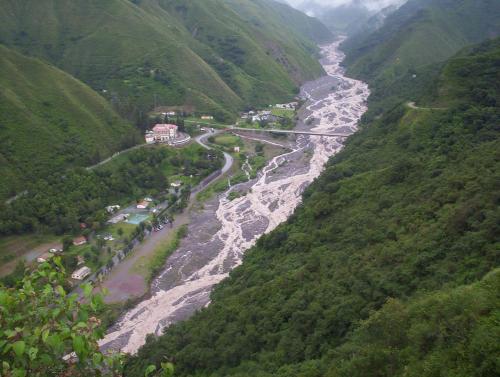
[227, 140]
[285, 113]
[152, 265]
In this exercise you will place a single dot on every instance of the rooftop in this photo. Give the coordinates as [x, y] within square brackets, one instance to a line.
[164, 127]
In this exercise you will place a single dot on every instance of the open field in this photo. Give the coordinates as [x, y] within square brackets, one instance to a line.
[285, 113]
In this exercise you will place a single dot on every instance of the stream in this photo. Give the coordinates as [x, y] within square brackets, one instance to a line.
[220, 233]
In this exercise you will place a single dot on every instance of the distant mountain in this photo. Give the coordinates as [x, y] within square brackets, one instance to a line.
[211, 55]
[349, 16]
[419, 33]
[49, 120]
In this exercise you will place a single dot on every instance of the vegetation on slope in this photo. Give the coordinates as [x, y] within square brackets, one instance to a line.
[49, 121]
[59, 202]
[419, 33]
[446, 333]
[409, 210]
[200, 53]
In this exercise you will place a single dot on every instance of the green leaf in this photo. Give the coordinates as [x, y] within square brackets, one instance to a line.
[167, 369]
[10, 333]
[87, 290]
[97, 359]
[81, 325]
[32, 352]
[18, 373]
[56, 312]
[55, 342]
[61, 291]
[5, 366]
[19, 348]
[57, 261]
[79, 345]
[150, 369]
[45, 334]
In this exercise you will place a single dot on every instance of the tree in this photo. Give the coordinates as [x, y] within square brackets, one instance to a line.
[67, 242]
[180, 124]
[44, 331]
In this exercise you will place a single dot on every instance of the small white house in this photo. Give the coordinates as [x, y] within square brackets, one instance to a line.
[161, 133]
[237, 149]
[150, 137]
[176, 184]
[113, 208]
[81, 273]
[142, 205]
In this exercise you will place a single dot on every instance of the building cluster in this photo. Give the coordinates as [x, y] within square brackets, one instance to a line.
[161, 133]
[289, 106]
[260, 116]
[267, 115]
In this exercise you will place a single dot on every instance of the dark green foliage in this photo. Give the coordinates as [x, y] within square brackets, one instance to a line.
[450, 333]
[59, 202]
[409, 210]
[402, 59]
[50, 121]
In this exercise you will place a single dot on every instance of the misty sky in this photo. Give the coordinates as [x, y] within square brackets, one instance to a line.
[371, 4]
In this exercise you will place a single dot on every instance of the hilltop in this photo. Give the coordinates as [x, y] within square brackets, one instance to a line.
[50, 120]
[388, 266]
[419, 33]
[211, 55]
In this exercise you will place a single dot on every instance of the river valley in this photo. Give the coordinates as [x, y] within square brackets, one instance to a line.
[220, 233]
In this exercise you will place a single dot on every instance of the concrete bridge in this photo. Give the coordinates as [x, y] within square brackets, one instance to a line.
[292, 132]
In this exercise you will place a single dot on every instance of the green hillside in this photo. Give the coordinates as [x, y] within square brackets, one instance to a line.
[49, 121]
[419, 33]
[197, 53]
[376, 272]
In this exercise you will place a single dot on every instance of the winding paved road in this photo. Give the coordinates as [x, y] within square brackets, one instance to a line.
[125, 280]
[227, 157]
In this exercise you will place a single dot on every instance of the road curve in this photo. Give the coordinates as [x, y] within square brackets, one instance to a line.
[412, 105]
[227, 157]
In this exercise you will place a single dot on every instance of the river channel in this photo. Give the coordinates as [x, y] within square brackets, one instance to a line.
[223, 230]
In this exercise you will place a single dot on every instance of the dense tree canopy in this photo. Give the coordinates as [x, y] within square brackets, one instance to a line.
[61, 201]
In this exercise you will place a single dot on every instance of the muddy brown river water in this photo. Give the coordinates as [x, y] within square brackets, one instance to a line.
[220, 234]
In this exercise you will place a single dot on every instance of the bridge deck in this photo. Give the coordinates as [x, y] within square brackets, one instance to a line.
[312, 133]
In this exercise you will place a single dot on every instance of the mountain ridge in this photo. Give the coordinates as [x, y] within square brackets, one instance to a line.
[179, 53]
[50, 120]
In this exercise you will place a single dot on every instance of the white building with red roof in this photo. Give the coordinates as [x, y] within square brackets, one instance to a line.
[161, 133]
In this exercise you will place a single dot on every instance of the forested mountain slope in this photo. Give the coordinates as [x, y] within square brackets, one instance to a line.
[213, 55]
[371, 275]
[49, 120]
[419, 33]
